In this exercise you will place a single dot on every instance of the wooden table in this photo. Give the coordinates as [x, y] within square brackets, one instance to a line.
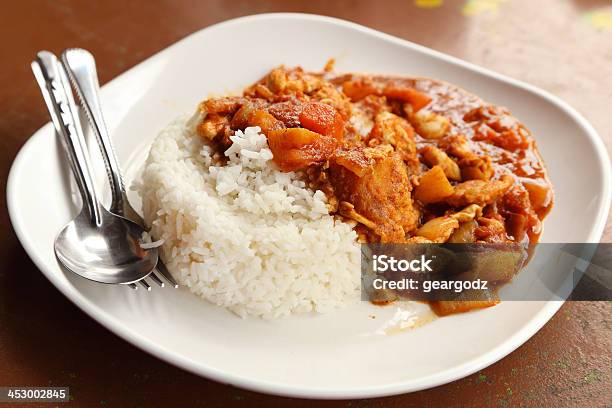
[563, 46]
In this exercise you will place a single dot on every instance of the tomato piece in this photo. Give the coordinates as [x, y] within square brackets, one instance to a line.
[448, 307]
[265, 121]
[359, 89]
[296, 148]
[322, 118]
[407, 94]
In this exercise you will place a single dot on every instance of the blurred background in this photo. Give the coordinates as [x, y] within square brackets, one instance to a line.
[563, 46]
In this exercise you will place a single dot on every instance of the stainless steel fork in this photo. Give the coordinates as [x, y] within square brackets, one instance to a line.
[81, 68]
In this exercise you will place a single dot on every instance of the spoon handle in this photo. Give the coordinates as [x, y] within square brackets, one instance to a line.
[58, 97]
[81, 68]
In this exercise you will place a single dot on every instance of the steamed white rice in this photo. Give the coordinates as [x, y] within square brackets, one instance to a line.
[245, 235]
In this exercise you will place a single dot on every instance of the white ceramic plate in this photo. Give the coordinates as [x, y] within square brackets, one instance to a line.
[339, 355]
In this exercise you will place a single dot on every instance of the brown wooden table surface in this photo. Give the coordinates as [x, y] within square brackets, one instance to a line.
[564, 46]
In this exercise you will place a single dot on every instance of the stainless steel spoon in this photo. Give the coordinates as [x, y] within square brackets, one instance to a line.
[80, 66]
[97, 244]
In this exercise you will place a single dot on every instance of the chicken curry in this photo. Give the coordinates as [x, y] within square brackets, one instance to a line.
[407, 160]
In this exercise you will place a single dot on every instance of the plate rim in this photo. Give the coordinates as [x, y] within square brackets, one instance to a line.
[467, 368]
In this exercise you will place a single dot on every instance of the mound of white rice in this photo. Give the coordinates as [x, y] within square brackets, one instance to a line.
[245, 235]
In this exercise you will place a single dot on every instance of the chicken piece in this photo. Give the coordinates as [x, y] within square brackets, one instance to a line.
[222, 106]
[284, 81]
[430, 125]
[484, 113]
[297, 148]
[467, 225]
[396, 131]
[468, 213]
[438, 229]
[318, 179]
[264, 92]
[240, 119]
[457, 145]
[473, 167]
[215, 129]
[266, 122]
[497, 126]
[214, 114]
[520, 216]
[250, 115]
[436, 157]
[517, 226]
[510, 140]
[358, 161]
[490, 230]
[277, 80]
[329, 65]
[381, 194]
[329, 94]
[476, 168]
[479, 191]
[418, 240]
[212, 126]
[348, 210]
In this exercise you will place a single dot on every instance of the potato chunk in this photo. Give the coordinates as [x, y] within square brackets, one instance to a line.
[430, 125]
[438, 229]
[448, 307]
[465, 234]
[540, 194]
[433, 186]
[436, 157]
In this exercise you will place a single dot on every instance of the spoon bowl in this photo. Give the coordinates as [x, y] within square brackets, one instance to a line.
[107, 253]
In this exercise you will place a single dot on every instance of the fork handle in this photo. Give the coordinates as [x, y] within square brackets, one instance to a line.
[58, 97]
